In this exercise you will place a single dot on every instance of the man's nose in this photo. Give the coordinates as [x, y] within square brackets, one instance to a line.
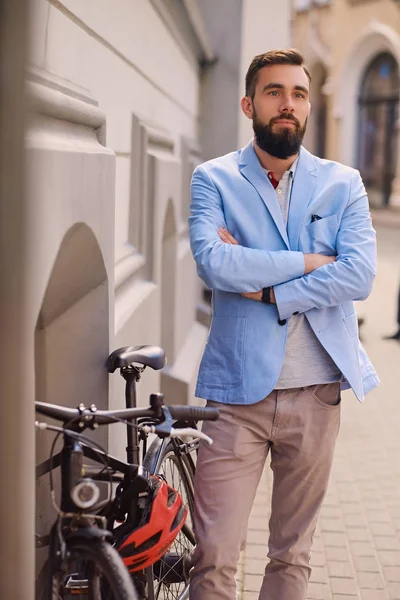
[287, 104]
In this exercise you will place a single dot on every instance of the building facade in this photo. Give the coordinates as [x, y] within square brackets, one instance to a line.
[124, 98]
[353, 50]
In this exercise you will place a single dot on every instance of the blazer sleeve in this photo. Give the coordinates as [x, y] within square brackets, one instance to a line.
[351, 276]
[225, 266]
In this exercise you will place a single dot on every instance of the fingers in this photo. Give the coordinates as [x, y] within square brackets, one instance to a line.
[329, 260]
[227, 237]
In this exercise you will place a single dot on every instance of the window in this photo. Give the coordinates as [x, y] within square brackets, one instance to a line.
[377, 136]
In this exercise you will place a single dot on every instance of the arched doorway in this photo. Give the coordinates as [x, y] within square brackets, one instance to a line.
[378, 114]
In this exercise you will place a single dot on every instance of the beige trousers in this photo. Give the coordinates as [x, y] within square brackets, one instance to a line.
[299, 427]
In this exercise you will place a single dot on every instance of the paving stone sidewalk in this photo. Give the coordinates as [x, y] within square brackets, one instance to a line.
[356, 552]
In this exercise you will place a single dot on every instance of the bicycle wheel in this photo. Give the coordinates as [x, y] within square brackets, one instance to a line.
[168, 579]
[93, 571]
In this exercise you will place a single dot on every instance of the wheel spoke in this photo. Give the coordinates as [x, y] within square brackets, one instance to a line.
[171, 470]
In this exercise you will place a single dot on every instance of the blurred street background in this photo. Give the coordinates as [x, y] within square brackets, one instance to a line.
[106, 107]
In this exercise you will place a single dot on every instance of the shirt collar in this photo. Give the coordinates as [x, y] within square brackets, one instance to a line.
[292, 169]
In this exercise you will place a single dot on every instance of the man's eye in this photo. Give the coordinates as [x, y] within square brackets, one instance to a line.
[273, 93]
[299, 95]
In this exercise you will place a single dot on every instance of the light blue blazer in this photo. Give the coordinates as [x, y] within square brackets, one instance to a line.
[244, 353]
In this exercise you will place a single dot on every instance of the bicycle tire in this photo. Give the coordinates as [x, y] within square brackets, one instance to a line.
[107, 576]
[179, 471]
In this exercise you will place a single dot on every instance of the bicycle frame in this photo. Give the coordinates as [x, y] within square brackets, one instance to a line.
[131, 375]
[124, 505]
[70, 459]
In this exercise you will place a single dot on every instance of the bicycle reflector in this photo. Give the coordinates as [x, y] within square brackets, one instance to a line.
[162, 519]
[85, 494]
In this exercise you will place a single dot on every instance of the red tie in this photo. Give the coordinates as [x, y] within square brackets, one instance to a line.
[272, 179]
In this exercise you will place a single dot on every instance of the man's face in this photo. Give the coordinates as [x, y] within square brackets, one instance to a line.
[279, 109]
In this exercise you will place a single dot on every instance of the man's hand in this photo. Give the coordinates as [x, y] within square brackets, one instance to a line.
[227, 238]
[253, 295]
[314, 261]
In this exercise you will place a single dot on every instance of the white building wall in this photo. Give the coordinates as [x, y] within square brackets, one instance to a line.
[221, 81]
[113, 130]
[265, 26]
[113, 140]
[124, 57]
[97, 254]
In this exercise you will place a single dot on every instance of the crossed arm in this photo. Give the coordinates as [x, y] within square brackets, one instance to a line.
[228, 238]
[300, 281]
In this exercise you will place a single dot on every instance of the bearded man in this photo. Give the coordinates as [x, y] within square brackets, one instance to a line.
[285, 242]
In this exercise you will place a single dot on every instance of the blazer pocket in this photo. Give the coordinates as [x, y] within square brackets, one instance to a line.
[223, 359]
[322, 235]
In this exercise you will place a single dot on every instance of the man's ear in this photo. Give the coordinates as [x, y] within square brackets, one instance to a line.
[246, 104]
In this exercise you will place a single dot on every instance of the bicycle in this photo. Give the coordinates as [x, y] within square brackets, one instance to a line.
[168, 577]
[81, 559]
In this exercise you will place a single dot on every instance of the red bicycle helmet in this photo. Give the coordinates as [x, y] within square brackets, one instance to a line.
[163, 517]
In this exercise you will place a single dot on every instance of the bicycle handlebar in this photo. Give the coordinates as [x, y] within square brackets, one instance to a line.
[107, 417]
[193, 413]
[101, 417]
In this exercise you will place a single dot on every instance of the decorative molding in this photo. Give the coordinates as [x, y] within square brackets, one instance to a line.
[56, 82]
[129, 298]
[53, 97]
[190, 158]
[159, 139]
[146, 139]
[62, 8]
[127, 266]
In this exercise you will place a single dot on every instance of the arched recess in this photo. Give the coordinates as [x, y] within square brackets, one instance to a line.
[71, 343]
[72, 330]
[375, 39]
[315, 139]
[377, 135]
[169, 282]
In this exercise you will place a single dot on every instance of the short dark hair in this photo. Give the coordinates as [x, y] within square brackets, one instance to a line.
[290, 56]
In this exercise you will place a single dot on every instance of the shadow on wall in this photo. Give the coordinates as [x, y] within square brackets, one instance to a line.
[71, 343]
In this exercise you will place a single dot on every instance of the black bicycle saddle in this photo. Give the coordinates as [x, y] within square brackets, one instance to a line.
[149, 356]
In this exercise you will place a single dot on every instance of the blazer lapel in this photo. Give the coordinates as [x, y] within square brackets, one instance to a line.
[303, 188]
[251, 168]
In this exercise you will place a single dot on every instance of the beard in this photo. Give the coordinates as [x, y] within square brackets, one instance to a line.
[283, 144]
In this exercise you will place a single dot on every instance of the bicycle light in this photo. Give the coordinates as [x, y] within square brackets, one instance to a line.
[85, 493]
